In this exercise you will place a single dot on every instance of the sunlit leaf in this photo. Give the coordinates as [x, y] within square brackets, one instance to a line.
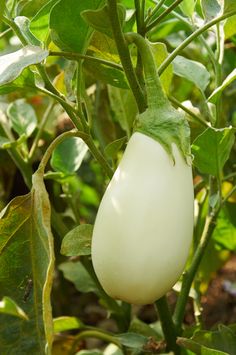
[8, 306]
[62, 324]
[187, 7]
[11, 65]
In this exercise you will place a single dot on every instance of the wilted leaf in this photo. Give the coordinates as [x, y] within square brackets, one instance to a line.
[69, 163]
[62, 324]
[192, 71]
[78, 241]
[8, 306]
[211, 149]
[26, 240]
[11, 65]
[22, 117]
[217, 92]
[69, 30]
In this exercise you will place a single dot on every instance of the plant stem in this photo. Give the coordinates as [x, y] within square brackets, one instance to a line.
[124, 54]
[40, 130]
[77, 56]
[163, 15]
[154, 11]
[167, 324]
[5, 32]
[189, 275]
[189, 112]
[189, 39]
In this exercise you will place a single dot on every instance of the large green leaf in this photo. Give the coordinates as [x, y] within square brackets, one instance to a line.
[23, 82]
[11, 65]
[225, 231]
[212, 148]
[69, 30]
[26, 264]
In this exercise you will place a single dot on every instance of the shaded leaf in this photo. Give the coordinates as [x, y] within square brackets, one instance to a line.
[26, 238]
[123, 106]
[24, 23]
[211, 9]
[106, 74]
[69, 30]
[8, 306]
[62, 324]
[22, 117]
[211, 149]
[69, 163]
[225, 231]
[132, 340]
[2, 9]
[78, 241]
[11, 65]
[192, 71]
[218, 92]
[112, 149]
[100, 20]
[3, 142]
[79, 276]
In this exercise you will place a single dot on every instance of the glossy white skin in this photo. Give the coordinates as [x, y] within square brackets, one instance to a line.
[143, 229]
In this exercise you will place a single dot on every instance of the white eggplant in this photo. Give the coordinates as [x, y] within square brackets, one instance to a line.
[143, 229]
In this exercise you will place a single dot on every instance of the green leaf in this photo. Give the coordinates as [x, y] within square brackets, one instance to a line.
[26, 240]
[218, 342]
[69, 163]
[187, 7]
[90, 352]
[2, 9]
[218, 92]
[123, 107]
[11, 65]
[39, 25]
[24, 23]
[31, 7]
[78, 241]
[132, 340]
[24, 82]
[160, 54]
[79, 276]
[192, 71]
[112, 149]
[100, 20]
[211, 149]
[225, 231]
[211, 9]
[106, 74]
[3, 142]
[69, 30]
[229, 27]
[22, 117]
[229, 5]
[62, 324]
[8, 306]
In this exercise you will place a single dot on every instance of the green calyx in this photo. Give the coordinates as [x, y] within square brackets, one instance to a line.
[161, 121]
